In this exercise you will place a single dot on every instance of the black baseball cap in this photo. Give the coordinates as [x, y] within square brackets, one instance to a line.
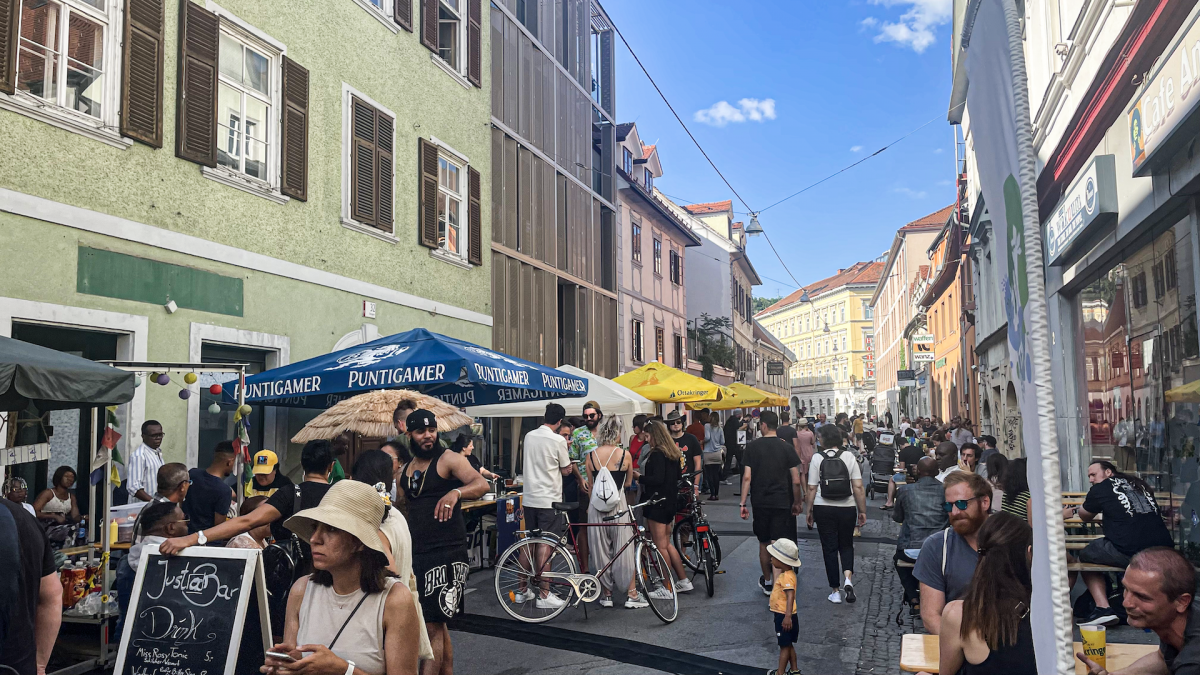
[420, 419]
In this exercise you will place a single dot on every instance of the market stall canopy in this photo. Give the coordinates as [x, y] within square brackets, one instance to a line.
[663, 384]
[744, 396]
[54, 380]
[613, 399]
[1187, 393]
[457, 372]
[370, 414]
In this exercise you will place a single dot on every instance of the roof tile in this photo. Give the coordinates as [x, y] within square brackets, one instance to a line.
[709, 207]
[937, 218]
[858, 273]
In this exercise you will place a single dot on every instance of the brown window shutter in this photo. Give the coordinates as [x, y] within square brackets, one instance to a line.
[142, 72]
[474, 219]
[196, 111]
[384, 180]
[8, 44]
[427, 225]
[363, 194]
[474, 42]
[429, 24]
[294, 130]
[403, 14]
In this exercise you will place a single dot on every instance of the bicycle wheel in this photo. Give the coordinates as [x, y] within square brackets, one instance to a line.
[687, 543]
[519, 586]
[657, 583]
[716, 549]
[710, 570]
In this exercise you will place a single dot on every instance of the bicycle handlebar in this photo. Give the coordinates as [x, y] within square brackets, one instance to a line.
[652, 502]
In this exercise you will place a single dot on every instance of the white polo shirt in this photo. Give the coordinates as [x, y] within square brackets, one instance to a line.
[545, 457]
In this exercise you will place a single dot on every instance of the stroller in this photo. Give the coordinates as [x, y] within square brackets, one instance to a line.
[883, 463]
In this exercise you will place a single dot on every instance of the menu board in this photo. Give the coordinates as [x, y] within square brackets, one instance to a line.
[186, 613]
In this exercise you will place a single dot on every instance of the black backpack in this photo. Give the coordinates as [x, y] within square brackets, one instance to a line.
[835, 477]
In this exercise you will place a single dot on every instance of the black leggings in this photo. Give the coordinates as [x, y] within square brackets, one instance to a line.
[835, 525]
[712, 476]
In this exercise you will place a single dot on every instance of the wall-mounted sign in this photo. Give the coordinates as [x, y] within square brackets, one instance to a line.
[941, 363]
[1091, 200]
[1171, 93]
[922, 345]
[906, 378]
[774, 367]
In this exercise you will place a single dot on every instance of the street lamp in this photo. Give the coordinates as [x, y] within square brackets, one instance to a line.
[754, 229]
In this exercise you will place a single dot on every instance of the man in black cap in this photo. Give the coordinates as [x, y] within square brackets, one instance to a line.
[436, 482]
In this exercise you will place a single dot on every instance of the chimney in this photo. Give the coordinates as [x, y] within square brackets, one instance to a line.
[840, 270]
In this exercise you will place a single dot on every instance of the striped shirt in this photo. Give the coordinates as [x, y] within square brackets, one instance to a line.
[143, 465]
[1018, 507]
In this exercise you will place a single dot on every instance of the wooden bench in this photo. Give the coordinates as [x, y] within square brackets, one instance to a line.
[920, 654]
[1089, 567]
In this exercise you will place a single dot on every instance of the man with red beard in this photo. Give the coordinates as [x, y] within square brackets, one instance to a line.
[948, 558]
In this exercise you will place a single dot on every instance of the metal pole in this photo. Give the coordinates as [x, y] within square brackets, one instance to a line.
[108, 491]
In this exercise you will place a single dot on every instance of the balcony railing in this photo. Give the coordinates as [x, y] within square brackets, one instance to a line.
[812, 381]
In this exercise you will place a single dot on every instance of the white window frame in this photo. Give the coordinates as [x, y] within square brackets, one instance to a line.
[384, 14]
[347, 146]
[105, 127]
[458, 71]
[627, 161]
[648, 178]
[274, 50]
[464, 230]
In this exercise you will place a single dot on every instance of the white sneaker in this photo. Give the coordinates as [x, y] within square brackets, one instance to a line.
[683, 586]
[606, 601]
[836, 597]
[636, 603]
[660, 593]
[524, 596]
[551, 601]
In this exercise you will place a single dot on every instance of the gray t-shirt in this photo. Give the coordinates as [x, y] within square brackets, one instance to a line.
[960, 564]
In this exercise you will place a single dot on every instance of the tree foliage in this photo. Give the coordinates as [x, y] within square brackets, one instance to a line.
[711, 335]
[762, 303]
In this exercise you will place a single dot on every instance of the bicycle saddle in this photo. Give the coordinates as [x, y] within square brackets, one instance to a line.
[564, 506]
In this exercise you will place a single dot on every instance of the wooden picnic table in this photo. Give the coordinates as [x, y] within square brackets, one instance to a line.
[477, 504]
[919, 654]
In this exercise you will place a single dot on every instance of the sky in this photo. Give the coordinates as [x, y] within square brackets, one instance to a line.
[782, 93]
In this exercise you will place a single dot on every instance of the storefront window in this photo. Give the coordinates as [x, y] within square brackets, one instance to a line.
[1140, 352]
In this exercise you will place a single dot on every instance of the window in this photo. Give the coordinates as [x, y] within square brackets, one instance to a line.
[660, 346]
[843, 343]
[677, 339]
[244, 106]
[867, 311]
[450, 206]
[635, 241]
[76, 81]
[635, 342]
[658, 256]
[1169, 266]
[1160, 282]
[676, 268]
[627, 161]
[649, 180]
[449, 38]
[1139, 290]
[368, 170]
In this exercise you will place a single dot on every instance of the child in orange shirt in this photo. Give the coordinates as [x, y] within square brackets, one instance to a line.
[785, 558]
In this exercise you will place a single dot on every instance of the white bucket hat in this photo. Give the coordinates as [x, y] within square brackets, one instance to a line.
[350, 506]
[785, 551]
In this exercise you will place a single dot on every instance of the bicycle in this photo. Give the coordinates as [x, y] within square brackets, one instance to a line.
[694, 538]
[519, 585]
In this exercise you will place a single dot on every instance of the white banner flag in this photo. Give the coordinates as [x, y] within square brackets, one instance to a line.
[998, 105]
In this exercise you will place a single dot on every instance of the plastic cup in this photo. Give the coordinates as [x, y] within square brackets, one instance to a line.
[1095, 644]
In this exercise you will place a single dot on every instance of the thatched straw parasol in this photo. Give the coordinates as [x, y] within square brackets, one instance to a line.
[370, 414]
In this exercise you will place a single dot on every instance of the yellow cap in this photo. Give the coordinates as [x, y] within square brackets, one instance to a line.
[264, 462]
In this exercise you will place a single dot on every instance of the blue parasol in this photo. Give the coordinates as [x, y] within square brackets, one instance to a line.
[458, 372]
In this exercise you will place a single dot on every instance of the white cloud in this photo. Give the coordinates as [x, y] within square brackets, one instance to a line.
[915, 29]
[855, 148]
[937, 151]
[945, 182]
[909, 192]
[721, 113]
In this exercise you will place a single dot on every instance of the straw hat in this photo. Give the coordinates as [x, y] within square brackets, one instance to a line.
[785, 551]
[348, 505]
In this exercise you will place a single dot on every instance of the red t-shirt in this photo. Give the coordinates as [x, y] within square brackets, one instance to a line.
[635, 449]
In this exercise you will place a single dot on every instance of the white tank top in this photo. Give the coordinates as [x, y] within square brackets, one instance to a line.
[323, 612]
[56, 505]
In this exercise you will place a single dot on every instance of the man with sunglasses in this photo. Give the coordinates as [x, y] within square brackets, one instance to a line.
[948, 558]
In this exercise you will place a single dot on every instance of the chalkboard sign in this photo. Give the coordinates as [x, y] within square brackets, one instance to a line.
[186, 613]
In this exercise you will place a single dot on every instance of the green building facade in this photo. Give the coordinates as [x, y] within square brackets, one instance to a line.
[243, 182]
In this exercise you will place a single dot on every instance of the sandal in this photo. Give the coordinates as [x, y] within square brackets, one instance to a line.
[885, 507]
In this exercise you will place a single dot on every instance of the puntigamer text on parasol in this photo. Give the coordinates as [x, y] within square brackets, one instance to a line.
[283, 388]
[502, 375]
[397, 376]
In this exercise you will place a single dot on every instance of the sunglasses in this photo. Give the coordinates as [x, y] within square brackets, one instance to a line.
[590, 416]
[415, 484]
[962, 504]
[674, 422]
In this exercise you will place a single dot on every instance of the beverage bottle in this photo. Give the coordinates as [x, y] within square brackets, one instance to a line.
[82, 533]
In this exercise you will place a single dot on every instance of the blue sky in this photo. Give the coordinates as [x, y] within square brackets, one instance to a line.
[843, 79]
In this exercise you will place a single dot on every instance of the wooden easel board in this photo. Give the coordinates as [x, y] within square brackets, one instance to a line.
[186, 613]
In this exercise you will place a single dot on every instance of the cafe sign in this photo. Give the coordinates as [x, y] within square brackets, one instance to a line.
[1165, 104]
[1090, 201]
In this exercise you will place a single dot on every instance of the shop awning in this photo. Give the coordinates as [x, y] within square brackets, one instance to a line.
[613, 399]
[54, 380]
[458, 372]
[1187, 393]
[663, 384]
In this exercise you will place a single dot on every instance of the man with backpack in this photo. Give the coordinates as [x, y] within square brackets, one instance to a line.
[771, 478]
[837, 503]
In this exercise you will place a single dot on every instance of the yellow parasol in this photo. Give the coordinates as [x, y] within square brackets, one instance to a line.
[370, 414]
[1185, 393]
[663, 384]
[743, 396]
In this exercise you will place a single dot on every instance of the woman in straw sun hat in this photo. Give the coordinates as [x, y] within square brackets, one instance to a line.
[343, 618]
